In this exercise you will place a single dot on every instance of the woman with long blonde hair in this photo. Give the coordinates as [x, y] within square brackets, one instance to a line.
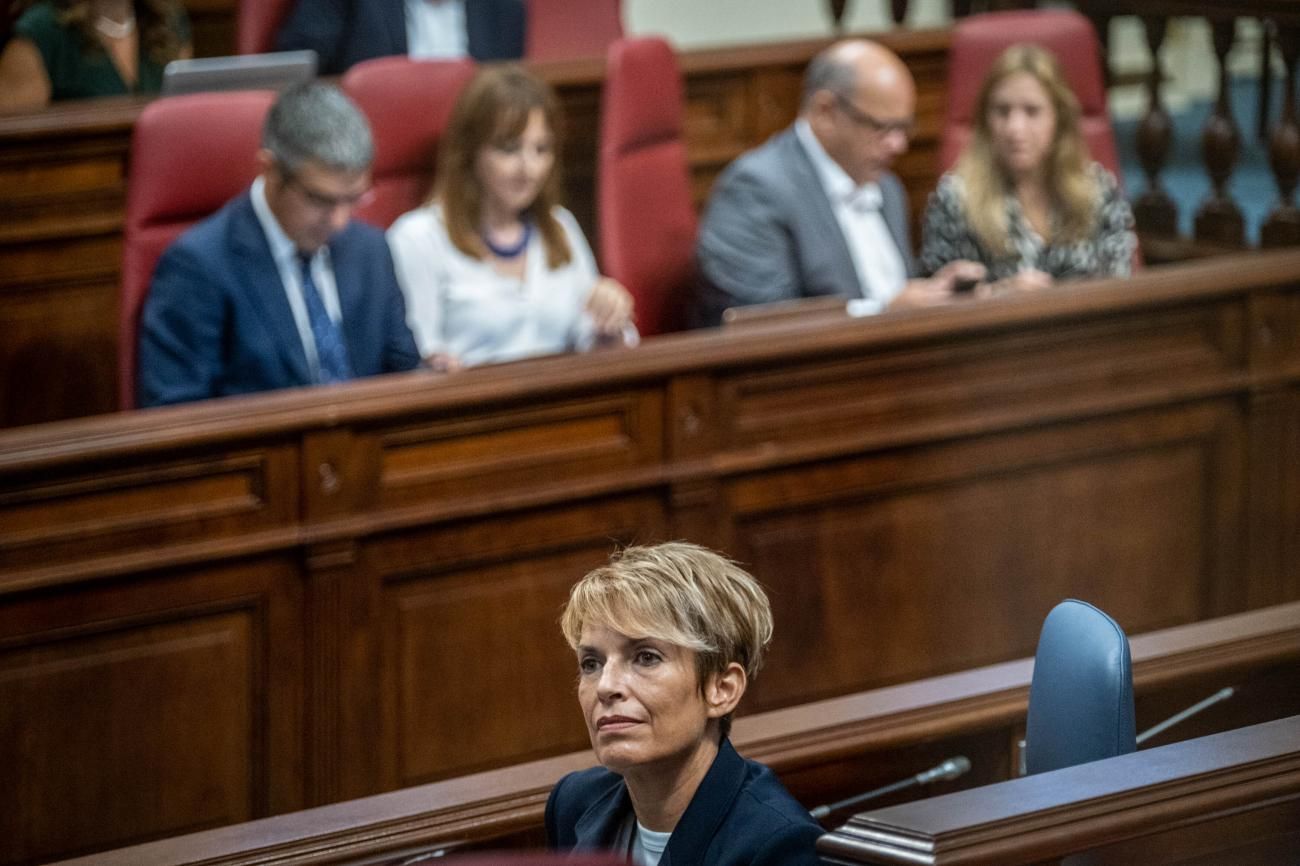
[76, 49]
[1025, 199]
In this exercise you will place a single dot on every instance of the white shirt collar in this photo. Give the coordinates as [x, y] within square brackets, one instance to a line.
[839, 187]
[282, 248]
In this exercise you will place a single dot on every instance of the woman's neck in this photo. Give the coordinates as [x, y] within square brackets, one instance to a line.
[661, 792]
[497, 221]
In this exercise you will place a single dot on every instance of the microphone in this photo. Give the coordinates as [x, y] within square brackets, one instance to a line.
[1221, 695]
[948, 770]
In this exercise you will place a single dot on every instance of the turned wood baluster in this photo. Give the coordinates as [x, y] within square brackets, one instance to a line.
[837, 14]
[898, 8]
[1283, 225]
[1155, 212]
[1219, 219]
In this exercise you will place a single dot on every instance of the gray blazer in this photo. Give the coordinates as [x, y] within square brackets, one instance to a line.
[769, 233]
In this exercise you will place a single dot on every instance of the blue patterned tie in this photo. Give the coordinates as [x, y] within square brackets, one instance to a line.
[331, 353]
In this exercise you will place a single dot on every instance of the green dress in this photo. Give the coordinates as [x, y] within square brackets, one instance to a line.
[78, 71]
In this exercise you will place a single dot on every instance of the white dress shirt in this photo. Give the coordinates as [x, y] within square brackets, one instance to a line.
[285, 254]
[882, 272]
[436, 29]
[463, 306]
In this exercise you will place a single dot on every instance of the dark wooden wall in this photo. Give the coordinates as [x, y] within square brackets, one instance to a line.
[63, 180]
[221, 611]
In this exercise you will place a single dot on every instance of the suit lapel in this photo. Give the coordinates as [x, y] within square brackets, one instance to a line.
[600, 824]
[709, 807]
[350, 285]
[822, 220]
[260, 281]
[895, 214]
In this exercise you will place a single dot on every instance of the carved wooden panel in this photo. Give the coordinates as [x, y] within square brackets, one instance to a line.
[987, 376]
[132, 713]
[50, 516]
[534, 446]
[901, 562]
[473, 664]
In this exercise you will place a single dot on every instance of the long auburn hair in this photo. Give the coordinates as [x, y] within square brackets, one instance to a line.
[1072, 186]
[492, 111]
[155, 24]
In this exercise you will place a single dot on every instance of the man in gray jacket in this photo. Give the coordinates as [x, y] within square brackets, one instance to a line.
[815, 210]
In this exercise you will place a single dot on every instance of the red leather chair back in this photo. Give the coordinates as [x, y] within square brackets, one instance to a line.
[561, 29]
[647, 221]
[189, 156]
[408, 103]
[978, 40]
[257, 22]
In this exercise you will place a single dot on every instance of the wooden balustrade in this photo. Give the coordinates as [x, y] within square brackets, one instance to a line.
[822, 751]
[1219, 224]
[355, 589]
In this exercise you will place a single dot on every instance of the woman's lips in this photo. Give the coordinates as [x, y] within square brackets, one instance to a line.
[615, 723]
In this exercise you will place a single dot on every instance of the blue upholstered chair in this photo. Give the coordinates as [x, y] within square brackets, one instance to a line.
[1081, 695]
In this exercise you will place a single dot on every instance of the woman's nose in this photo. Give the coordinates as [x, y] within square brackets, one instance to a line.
[610, 684]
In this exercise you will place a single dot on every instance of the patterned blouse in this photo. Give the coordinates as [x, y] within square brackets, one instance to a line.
[946, 237]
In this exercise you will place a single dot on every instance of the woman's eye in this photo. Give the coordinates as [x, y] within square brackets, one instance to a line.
[647, 657]
[588, 665]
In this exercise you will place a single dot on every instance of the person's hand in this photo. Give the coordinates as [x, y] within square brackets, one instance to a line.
[442, 362]
[610, 306]
[940, 288]
[1021, 282]
[961, 275]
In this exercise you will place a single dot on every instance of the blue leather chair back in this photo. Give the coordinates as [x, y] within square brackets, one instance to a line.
[1081, 696]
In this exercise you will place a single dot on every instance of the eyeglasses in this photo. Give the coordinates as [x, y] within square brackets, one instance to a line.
[324, 201]
[875, 124]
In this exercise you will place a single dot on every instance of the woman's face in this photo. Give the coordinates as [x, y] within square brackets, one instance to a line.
[640, 698]
[512, 172]
[1022, 124]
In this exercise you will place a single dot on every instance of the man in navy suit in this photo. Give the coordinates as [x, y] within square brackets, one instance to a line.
[280, 288]
[345, 32]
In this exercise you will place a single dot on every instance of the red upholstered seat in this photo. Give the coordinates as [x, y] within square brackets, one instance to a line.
[257, 22]
[647, 222]
[560, 29]
[189, 156]
[408, 103]
[979, 39]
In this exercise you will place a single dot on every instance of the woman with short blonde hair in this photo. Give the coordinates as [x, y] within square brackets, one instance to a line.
[1025, 199]
[667, 638]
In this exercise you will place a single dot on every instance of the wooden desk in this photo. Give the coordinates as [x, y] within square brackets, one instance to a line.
[1232, 797]
[355, 589]
[63, 179]
[822, 751]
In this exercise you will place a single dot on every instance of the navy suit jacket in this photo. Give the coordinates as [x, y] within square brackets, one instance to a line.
[741, 815]
[217, 320]
[345, 32]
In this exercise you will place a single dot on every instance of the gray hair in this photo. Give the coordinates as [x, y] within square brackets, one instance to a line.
[830, 72]
[315, 121]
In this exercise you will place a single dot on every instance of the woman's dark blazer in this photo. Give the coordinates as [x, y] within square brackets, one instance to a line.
[740, 816]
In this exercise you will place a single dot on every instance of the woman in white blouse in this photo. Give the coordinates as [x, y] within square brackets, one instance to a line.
[493, 268]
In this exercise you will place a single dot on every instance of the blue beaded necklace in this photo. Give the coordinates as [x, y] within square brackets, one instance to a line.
[511, 251]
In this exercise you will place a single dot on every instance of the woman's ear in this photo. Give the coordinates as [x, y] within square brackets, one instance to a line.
[724, 690]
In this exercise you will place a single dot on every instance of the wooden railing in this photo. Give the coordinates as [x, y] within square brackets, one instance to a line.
[355, 589]
[1232, 797]
[822, 751]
